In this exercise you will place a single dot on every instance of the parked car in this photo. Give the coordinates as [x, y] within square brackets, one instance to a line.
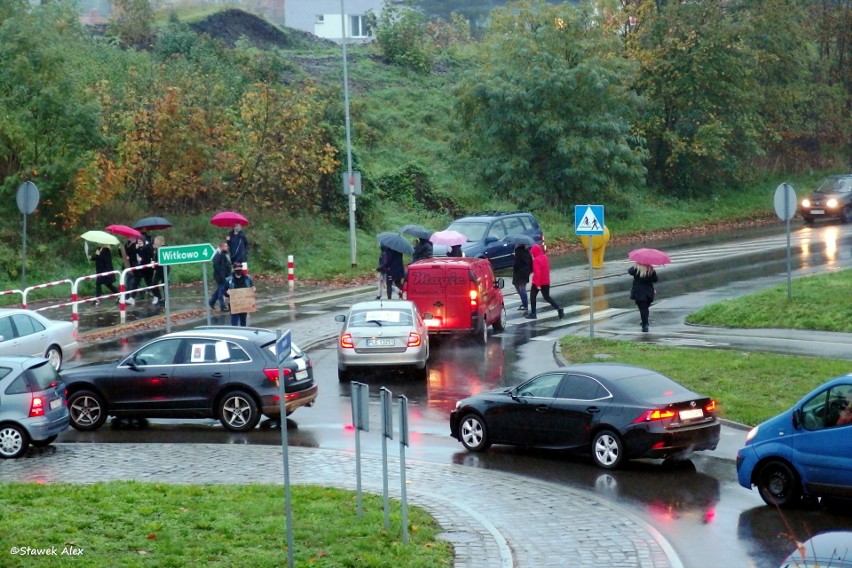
[804, 451]
[610, 411]
[228, 373]
[460, 294]
[832, 199]
[494, 234]
[386, 334]
[28, 333]
[825, 550]
[33, 409]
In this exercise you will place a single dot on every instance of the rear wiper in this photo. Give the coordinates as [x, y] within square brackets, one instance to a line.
[376, 322]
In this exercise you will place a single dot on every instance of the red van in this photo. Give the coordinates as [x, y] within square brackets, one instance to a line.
[462, 295]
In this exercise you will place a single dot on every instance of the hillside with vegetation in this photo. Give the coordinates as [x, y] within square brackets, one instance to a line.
[690, 115]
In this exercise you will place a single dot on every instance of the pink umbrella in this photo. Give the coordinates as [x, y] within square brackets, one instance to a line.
[448, 238]
[228, 219]
[123, 231]
[649, 257]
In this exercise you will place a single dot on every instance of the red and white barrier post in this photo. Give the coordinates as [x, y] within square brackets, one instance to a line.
[290, 275]
[40, 286]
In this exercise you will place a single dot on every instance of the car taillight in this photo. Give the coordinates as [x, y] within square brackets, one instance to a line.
[37, 407]
[711, 408]
[272, 375]
[346, 341]
[474, 299]
[414, 339]
[656, 414]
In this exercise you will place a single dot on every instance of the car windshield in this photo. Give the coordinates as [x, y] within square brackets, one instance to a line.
[379, 318]
[473, 230]
[835, 185]
[654, 388]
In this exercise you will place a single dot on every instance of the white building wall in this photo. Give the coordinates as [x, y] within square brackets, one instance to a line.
[322, 17]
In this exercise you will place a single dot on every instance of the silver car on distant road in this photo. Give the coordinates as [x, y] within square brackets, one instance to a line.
[386, 334]
[28, 333]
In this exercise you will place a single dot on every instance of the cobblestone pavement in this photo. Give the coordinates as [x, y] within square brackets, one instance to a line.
[492, 519]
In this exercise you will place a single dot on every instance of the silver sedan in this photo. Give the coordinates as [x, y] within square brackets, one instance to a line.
[387, 334]
[28, 333]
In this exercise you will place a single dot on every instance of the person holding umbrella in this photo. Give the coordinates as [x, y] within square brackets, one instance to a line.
[394, 271]
[238, 244]
[422, 250]
[643, 290]
[103, 263]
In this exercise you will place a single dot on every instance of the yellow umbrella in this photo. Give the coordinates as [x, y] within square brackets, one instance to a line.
[99, 237]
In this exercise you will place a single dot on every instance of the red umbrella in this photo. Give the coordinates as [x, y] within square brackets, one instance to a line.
[228, 219]
[123, 231]
[649, 257]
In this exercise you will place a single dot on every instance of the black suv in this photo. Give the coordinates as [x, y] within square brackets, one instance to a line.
[832, 199]
[494, 234]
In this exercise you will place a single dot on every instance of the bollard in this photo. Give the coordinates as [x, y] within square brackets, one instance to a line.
[290, 278]
[598, 247]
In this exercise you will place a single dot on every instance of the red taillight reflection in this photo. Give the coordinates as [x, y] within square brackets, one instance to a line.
[37, 407]
[414, 339]
[346, 341]
[656, 414]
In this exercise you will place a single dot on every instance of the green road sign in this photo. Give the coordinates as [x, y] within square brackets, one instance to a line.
[185, 254]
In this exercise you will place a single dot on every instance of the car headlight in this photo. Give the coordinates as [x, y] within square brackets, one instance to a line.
[806, 202]
[831, 203]
[751, 433]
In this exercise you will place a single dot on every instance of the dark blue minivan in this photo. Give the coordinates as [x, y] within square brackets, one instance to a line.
[805, 451]
[494, 235]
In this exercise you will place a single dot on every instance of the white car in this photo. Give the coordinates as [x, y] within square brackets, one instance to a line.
[386, 334]
[28, 333]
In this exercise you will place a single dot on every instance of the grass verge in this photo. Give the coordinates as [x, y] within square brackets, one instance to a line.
[134, 524]
[749, 387]
[818, 303]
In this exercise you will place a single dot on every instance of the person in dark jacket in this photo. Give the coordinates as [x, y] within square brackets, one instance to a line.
[103, 263]
[222, 267]
[643, 291]
[380, 268]
[235, 281]
[394, 271]
[541, 281]
[456, 251]
[521, 270]
[238, 244]
[143, 254]
[422, 250]
[159, 270]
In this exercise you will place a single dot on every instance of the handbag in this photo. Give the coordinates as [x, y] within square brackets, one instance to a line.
[632, 294]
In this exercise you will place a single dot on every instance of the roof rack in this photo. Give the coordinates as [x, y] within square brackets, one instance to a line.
[494, 213]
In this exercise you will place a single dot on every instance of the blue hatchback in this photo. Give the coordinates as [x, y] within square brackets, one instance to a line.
[805, 451]
[494, 234]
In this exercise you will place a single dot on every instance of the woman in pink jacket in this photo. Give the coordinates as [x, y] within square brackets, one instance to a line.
[541, 281]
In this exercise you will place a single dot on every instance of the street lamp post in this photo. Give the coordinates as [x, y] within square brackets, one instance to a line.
[350, 180]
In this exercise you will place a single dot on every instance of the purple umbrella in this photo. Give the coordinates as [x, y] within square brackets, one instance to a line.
[448, 238]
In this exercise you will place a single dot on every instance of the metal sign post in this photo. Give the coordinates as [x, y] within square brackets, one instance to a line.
[785, 208]
[27, 200]
[403, 442]
[184, 254]
[283, 345]
[361, 420]
[387, 433]
[589, 221]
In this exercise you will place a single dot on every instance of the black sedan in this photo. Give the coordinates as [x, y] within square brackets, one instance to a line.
[229, 373]
[610, 410]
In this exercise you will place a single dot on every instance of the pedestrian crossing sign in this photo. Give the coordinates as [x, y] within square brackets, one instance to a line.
[589, 219]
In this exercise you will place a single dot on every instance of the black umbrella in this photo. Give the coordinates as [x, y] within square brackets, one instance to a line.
[152, 223]
[520, 240]
[395, 241]
[416, 231]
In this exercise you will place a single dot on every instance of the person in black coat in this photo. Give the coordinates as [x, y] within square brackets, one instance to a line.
[456, 251]
[394, 271]
[222, 268]
[521, 270]
[643, 292]
[422, 250]
[143, 255]
[103, 263]
[238, 244]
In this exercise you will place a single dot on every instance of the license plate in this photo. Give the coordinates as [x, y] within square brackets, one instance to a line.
[301, 375]
[380, 342]
[55, 403]
[817, 212]
[691, 414]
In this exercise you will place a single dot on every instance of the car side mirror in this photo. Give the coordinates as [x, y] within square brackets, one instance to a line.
[490, 239]
[341, 318]
[499, 283]
[797, 419]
